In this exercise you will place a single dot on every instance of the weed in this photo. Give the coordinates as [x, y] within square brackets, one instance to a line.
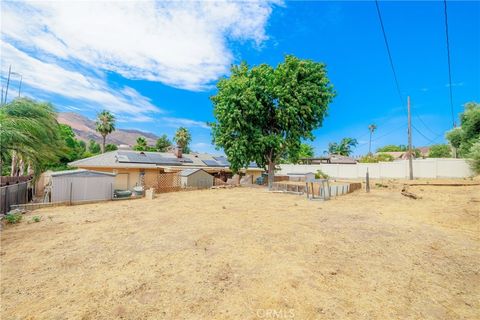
[13, 218]
[36, 219]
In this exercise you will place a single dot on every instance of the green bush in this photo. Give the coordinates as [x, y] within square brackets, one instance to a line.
[13, 218]
[385, 157]
[440, 151]
[474, 156]
[36, 219]
[321, 175]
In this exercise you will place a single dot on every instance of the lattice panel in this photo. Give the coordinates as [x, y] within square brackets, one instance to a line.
[168, 182]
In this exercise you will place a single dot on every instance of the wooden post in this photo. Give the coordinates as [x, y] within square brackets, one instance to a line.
[367, 182]
[71, 187]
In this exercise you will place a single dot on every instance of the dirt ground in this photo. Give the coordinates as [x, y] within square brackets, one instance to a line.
[244, 253]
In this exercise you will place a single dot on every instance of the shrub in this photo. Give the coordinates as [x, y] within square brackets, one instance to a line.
[385, 157]
[377, 158]
[440, 151]
[321, 175]
[36, 219]
[474, 156]
[13, 218]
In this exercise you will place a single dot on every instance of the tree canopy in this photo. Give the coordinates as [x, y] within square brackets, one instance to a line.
[263, 113]
[463, 137]
[440, 151]
[163, 143]
[392, 148]
[344, 147]
[29, 136]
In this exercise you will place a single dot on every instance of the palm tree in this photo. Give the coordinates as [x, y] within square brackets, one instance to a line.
[141, 144]
[105, 125]
[29, 135]
[183, 138]
[343, 148]
[371, 128]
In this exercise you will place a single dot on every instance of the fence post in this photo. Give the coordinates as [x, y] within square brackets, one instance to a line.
[7, 200]
[71, 187]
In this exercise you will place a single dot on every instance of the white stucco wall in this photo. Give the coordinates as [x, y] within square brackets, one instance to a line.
[423, 168]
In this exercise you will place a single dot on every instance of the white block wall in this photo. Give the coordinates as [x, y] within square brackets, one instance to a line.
[423, 168]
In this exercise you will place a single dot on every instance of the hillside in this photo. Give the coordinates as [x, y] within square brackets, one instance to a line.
[84, 128]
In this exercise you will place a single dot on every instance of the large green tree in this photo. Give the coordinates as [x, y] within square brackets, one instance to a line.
[163, 143]
[344, 147]
[105, 125]
[463, 138]
[183, 138]
[263, 113]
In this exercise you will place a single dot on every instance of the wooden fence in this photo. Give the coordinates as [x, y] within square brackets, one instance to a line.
[12, 195]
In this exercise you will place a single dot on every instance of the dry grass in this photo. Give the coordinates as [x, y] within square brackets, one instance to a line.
[245, 254]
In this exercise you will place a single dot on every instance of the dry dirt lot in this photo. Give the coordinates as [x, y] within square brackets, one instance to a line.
[248, 254]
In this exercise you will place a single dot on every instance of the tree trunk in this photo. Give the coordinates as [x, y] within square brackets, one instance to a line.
[103, 143]
[271, 174]
[13, 169]
[370, 144]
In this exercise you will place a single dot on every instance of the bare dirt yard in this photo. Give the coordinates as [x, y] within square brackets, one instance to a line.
[244, 253]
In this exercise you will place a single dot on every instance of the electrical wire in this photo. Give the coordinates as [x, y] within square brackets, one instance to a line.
[389, 53]
[449, 63]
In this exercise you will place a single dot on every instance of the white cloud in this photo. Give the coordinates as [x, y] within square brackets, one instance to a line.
[49, 78]
[182, 122]
[179, 43]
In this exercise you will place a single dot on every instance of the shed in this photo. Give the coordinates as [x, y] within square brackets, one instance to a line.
[81, 185]
[195, 178]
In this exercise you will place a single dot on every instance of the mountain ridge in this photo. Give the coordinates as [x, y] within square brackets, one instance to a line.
[84, 129]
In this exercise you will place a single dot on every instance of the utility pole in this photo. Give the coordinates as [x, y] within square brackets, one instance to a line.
[8, 82]
[410, 153]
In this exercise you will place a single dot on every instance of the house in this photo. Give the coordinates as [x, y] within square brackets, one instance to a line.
[330, 159]
[195, 178]
[134, 168]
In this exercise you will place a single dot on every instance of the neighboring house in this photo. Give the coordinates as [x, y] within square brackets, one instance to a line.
[143, 168]
[424, 151]
[195, 178]
[331, 159]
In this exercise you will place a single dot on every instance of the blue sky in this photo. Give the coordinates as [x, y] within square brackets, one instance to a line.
[155, 65]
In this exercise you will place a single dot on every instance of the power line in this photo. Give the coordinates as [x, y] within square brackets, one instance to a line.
[449, 64]
[397, 85]
[389, 53]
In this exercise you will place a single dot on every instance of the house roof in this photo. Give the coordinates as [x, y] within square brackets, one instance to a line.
[188, 172]
[144, 159]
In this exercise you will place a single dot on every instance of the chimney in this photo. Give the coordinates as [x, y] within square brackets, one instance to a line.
[177, 151]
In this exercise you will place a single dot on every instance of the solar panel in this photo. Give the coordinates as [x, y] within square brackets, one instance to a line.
[142, 157]
[185, 160]
[222, 160]
[212, 163]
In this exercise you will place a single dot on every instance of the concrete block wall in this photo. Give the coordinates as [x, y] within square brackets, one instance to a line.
[423, 168]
